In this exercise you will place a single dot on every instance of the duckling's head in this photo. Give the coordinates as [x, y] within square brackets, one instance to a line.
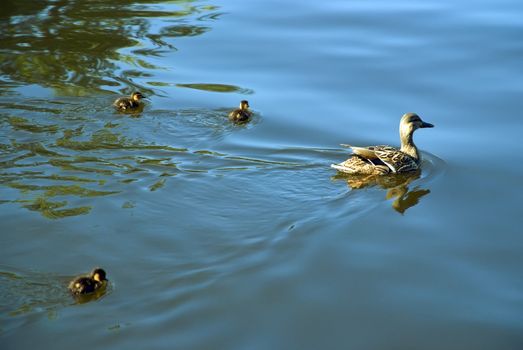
[98, 274]
[244, 104]
[410, 122]
[137, 96]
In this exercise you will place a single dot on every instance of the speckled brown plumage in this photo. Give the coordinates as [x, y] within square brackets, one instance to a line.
[381, 160]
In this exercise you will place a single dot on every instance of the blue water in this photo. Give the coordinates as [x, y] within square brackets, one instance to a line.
[222, 236]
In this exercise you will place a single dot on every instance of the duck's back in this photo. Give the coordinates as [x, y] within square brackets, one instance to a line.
[83, 285]
[125, 103]
[239, 115]
[377, 160]
[395, 159]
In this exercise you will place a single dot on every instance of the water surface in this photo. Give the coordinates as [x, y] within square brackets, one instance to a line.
[227, 236]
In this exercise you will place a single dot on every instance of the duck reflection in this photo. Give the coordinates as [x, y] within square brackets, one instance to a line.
[397, 186]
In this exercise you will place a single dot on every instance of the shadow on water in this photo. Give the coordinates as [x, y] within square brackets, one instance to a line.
[76, 47]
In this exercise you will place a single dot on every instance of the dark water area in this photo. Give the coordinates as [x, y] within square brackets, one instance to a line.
[223, 236]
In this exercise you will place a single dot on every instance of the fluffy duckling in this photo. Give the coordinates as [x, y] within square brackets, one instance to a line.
[129, 103]
[242, 114]
[381, 160]
[88, 284]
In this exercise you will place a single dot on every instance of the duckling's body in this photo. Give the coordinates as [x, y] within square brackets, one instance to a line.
[88, 284]
[129, 103]
[381, 160]
[241, 114]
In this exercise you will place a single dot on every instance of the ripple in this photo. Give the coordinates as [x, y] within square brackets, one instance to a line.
[65, 54]
[85, 155]
[26, 292]
[101, 157]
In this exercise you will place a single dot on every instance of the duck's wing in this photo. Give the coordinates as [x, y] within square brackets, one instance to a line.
[126, 103]
[121, 103]
[82, 285]
[361, 166]
[366, 152]
[239, 115]
[397, 161]
[233, 114]
[354, 165]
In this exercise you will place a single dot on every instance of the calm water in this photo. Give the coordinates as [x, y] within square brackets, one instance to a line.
[217, 236]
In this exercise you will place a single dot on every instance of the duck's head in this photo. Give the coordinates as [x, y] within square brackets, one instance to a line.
[410, 122]
[244, 104]
[98, 275]
[137, 96]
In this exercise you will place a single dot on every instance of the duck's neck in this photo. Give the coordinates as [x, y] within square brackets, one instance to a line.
[408, 146]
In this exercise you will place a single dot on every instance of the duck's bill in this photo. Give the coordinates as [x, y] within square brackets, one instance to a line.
[427, 125]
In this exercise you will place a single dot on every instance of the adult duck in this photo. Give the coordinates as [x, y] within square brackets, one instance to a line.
[381, 160]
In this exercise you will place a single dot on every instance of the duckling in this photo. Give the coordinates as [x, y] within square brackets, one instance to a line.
[129, 103]
[381, 160]
[242, 114]
[88, 284]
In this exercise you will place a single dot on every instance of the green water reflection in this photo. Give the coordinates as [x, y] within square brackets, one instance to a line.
[62, 167]
[49, 180]
[77, 47]
[217, 88]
